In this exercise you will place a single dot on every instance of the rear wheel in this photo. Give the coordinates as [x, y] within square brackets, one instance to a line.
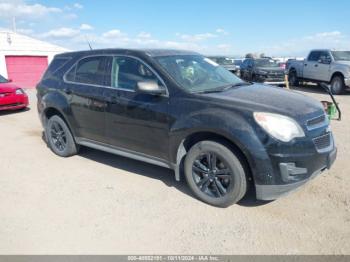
[293, 78]
[59, 138]
[337, 85]
[215, 174]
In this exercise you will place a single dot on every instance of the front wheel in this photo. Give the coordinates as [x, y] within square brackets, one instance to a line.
[215, 174]
[337, 85]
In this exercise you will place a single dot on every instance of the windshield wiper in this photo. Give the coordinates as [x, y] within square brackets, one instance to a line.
[242, 84]
[223, 88]
[214, 90]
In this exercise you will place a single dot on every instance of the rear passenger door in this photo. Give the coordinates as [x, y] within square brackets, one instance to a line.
[84, 85]
[135, 121]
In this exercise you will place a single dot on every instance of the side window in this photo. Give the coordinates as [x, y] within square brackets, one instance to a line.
[324, 56]
[70, 76]
[127, 71]
[91, 70]
[314, 56]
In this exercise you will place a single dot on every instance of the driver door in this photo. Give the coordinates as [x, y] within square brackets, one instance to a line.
[135, 121]
[322, 72]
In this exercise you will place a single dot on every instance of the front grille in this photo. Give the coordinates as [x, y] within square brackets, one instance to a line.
[322, 143]
[275, 74]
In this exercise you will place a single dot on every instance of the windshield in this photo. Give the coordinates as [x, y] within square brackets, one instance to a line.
[222, 60]
[196, 73]
[341, 55]
[3, 79]
[266, 63]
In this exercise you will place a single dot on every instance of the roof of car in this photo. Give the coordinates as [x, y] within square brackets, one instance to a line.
[149, 52]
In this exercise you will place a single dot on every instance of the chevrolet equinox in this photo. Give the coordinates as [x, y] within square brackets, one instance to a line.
[180, 110]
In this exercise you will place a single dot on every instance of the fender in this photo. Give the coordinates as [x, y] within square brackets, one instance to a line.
[337, 71]
[57, 101]
[229, 125]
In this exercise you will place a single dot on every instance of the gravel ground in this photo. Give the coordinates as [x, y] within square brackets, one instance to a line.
[98, 203]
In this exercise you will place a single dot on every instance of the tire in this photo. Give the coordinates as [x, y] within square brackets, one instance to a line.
[59, 138]
[337, 85]
[293, 78]
[253, 78]
[223, 187]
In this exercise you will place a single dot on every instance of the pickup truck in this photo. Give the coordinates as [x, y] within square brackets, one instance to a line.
[322, 66]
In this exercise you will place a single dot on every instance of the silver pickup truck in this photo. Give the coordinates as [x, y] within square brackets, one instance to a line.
[322, 66]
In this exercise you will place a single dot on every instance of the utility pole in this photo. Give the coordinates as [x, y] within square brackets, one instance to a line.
[14, 28]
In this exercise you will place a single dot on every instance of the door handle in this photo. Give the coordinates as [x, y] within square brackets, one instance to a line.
[305, 64]
[316, 65]
[67, 91]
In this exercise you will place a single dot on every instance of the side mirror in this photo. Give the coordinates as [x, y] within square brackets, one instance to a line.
[150, 87]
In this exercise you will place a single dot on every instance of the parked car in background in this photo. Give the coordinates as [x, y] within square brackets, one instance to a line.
[238, 62]
[11, 96]
[180, 110]
[282, 65]
[322, 66]
[227, 62]
[263, 70]
[289, 62]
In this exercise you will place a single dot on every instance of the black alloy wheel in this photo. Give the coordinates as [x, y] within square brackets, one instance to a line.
[216, 173]
[211, 175]
[58, 136]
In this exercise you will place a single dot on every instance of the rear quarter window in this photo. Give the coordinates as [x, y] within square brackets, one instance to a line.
[55, 65]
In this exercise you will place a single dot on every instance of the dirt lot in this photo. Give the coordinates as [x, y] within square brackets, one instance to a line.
[98, 203]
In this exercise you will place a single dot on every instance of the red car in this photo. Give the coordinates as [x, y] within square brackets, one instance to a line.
[11, 96]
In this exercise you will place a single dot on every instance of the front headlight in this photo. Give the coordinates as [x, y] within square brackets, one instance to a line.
[19, 92]
[278, 126]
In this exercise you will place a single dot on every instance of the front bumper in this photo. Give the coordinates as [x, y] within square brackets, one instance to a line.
[347, 81]
[275, 82]
[306, 169]
[13, 102]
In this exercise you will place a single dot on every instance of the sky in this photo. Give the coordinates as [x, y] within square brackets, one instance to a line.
[221, 27]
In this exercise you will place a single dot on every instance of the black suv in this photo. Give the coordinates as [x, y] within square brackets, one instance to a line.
[263, 70]
[180, 110]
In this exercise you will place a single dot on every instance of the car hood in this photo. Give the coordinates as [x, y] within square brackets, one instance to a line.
[343, 63]
[7, 88]
[265, 98]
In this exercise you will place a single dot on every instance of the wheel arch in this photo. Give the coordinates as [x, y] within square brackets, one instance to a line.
[197, 136]
[337, 73]
[51, 111]
[292, 69]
